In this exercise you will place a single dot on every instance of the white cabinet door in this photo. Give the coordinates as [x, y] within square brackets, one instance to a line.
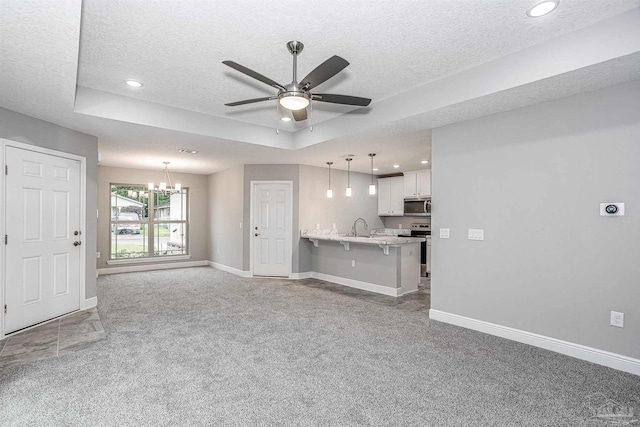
[396, 196]
[410, 187]
[384, 199]
[423, 181]
[391, 196]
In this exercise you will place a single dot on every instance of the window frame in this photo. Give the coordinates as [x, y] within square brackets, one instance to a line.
[153, 253]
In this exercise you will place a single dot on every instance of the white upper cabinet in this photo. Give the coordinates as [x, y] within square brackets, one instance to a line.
[417, 184]
[391, 196]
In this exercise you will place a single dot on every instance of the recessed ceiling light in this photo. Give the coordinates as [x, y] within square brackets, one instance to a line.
[375, 169]
[542, 8]
[396, 166]
[185, 150]
[424, 162]
[286, 119]
[133, 83]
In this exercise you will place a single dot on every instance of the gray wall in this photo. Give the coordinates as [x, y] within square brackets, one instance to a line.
[229, 200]
[198, 208]
[372, 265]
[533, 179]
[225, 213]
[342, 211]
[21, 128]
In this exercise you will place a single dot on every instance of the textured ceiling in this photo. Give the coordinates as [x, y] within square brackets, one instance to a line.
[424, 64]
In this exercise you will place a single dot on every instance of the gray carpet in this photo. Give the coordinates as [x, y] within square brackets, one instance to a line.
[196, 347]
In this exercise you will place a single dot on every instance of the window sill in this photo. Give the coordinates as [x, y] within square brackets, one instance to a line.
[154, 260]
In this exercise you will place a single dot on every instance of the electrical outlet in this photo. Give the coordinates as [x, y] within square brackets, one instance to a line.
[317, 226]
[476, 234]
[97, 254]
[617, 319]
[218, 251]
[400, 226]
[240, 225]
[353, 263]
[334, 226]
[444, 233]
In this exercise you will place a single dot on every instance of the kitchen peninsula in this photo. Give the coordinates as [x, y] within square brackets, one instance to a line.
[384, 264]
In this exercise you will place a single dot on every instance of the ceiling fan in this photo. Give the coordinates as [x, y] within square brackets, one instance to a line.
[296, 96]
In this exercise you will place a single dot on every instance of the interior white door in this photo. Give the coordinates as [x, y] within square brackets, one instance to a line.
[42, 257]
[271, 231]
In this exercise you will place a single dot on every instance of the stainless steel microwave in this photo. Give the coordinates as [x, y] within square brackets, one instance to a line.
[417, 207]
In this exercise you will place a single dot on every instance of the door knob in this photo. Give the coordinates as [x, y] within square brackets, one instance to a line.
[77, 243]
[76, 233]
[257, 234]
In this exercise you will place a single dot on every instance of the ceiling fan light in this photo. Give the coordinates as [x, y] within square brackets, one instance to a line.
[329, 194]
[372, 190]
[294, 102]
[348, 192]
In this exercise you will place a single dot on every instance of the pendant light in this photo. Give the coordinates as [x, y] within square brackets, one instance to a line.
[329, 191]
[348, 191]
[372, 186]
[163, 184]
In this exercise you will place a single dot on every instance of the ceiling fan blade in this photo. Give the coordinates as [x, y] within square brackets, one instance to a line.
[299, 115]
[341, 99]
[324, 72]
[253, 74]
[249, 101]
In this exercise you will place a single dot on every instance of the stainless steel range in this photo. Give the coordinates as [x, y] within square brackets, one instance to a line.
[423, 230]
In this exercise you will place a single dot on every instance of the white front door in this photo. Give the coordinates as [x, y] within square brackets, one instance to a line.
[271, 232]
[42, 211]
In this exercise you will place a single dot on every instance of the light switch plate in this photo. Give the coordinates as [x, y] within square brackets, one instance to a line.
[618, 209]
[444, 233]
[476, 234]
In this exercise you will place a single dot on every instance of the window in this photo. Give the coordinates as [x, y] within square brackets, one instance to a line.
[148, 223]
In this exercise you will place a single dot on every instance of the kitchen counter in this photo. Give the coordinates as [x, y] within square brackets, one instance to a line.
[384, 241]
[358, 261]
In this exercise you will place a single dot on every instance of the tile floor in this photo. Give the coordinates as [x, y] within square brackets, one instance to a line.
[56, 338]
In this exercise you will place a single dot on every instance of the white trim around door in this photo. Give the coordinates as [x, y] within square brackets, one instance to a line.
[288, 218]
[4, 143]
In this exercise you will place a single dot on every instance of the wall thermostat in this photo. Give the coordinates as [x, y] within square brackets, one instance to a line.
[612, 209]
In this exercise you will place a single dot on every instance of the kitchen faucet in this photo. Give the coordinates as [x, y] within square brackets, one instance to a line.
[354, 229]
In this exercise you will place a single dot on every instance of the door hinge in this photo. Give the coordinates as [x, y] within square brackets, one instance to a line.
[5, 309]
[6, 169]
[6, 239]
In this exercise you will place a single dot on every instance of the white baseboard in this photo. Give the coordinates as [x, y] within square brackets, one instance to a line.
[365, 286]
[231, 270]
[150, 267]
[298, 276]
[89, 303]
[590, 354]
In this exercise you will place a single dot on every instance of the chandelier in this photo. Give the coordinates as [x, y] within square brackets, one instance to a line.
[165, 185]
